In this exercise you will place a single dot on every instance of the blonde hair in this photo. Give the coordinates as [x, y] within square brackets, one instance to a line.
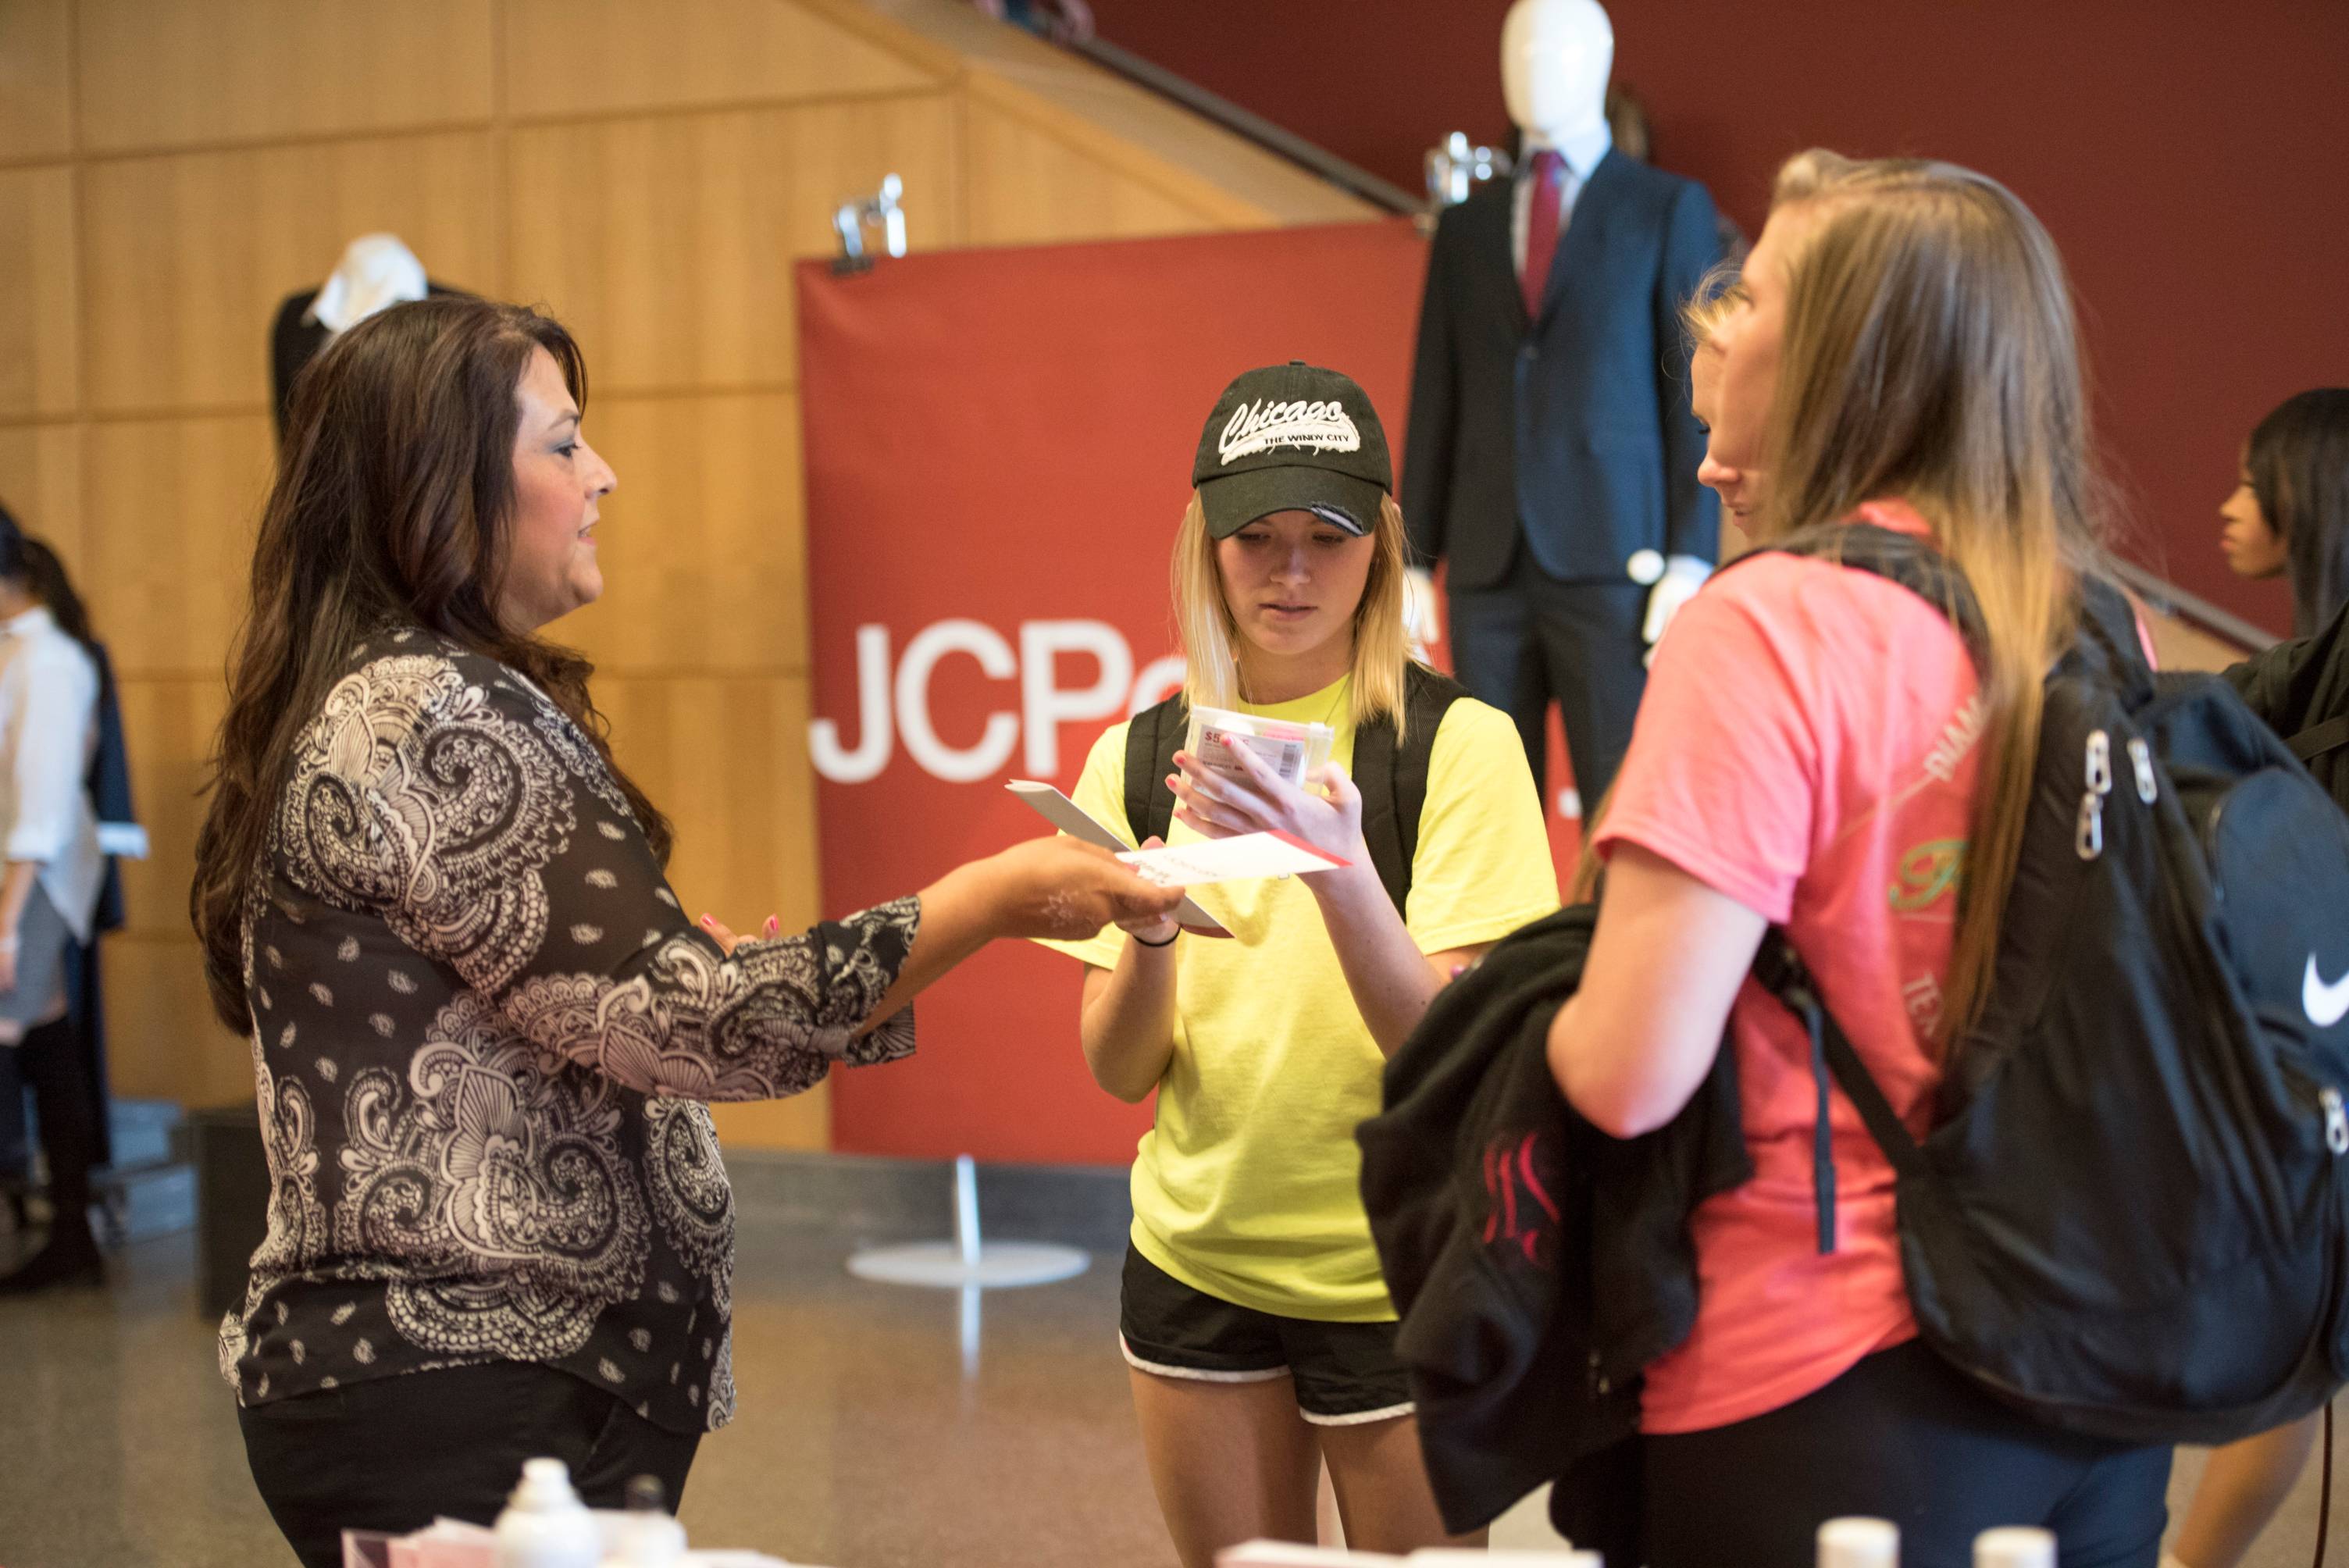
[1718, 293]
[1721, 290]
[1931, 353]
[1204, 624]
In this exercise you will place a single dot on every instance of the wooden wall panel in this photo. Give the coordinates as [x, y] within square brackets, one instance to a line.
[35, 101]
[40, 482]
[726, 758]
[675, 269]
[161, 1038]
[595, 56]
[38, 367]
[191, 254]
[168, 727]
[703, 546]
[172, 506]
[175, 73]
[803, 1121]
[2178, 646]
[1028, 186]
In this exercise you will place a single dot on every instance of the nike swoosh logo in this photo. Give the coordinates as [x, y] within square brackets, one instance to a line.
[2326, 1005]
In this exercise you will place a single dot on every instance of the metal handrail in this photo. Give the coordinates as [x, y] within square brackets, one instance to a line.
[2159, 592]
[1255, 126]
[2197, 611]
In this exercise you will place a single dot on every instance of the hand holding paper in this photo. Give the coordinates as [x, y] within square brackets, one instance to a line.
[1219, 806]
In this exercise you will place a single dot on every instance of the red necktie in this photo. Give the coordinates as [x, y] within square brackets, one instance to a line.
[1541, 229]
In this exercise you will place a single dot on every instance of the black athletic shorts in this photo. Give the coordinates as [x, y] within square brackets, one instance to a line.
[1345, 1372]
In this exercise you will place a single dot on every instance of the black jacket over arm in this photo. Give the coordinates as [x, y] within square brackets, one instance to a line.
[1576, 425]
[2297, 686]
[1538, 1265]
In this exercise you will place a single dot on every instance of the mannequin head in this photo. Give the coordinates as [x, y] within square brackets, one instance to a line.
[1555, 58]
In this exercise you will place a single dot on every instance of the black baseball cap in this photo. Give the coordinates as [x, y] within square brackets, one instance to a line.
[1292, 437]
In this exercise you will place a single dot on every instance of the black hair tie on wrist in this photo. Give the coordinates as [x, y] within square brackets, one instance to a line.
[1147, 943]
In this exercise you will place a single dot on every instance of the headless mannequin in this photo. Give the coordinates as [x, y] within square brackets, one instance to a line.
[1555, 57]
[376, 272]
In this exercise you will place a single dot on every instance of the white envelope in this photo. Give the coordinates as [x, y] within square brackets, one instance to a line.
[1235, 859]
[1074, 821]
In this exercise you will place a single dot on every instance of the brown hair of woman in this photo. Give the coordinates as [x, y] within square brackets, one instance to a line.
[393, 507]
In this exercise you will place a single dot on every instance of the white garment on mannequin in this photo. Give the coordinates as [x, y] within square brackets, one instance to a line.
[376, 271]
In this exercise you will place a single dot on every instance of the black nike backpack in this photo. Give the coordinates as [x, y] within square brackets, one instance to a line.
[2128, 1219]
[1391, 778]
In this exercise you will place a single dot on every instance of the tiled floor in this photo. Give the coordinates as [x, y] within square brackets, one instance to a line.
[862, 1442]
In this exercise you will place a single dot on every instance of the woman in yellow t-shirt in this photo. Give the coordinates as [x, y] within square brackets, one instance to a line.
[1254, 1318]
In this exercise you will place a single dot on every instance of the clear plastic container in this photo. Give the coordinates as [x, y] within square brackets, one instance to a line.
[1293, 751]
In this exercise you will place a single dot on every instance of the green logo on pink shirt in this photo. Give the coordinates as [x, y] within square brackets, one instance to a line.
[1928, 871]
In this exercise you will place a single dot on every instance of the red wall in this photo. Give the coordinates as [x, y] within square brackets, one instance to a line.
[2192, 161]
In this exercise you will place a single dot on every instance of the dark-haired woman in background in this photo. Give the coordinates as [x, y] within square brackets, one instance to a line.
[48, 891]
[2289, 510]
[483, 1029]
[2289, 513]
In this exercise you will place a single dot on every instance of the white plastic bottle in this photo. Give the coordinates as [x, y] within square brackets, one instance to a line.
[1859, 1543]
[2014, 1547]
[545, 1524]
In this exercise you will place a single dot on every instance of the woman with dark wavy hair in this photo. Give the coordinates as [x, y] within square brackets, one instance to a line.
[483, 1029]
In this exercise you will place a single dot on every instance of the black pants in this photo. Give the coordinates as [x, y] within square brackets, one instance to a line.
[1901, 1437]
[394, 1453]
[1531, 640]
[50, 1061]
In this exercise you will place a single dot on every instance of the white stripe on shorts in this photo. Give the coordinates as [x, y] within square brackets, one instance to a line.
[1196, 1373]
[1359, 1418]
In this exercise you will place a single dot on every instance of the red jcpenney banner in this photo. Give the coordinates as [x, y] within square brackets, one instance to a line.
[998, 449]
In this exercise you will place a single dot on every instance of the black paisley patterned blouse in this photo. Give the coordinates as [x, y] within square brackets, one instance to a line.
[483, 1033]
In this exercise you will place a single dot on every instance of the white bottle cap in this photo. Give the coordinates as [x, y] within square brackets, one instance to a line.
[544, 1483]
[1646, 567]
[2014, 1547]
[1859, 1543]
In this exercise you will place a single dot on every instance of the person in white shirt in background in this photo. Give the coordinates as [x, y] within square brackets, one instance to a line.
[49, 885]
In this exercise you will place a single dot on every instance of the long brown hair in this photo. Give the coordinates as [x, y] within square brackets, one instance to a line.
[1931, 354]
[393, 506]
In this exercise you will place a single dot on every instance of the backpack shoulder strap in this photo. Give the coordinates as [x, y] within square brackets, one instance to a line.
[1393, 779]
[1151, 742]
[2317, 739]
[1898, 558]
[2107, 639]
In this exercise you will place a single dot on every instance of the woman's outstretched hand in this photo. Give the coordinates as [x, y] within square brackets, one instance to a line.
[727, 941]
[1068, 890]
[1218, 805]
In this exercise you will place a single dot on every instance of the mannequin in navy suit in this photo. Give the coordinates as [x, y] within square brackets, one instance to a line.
[1551, 459]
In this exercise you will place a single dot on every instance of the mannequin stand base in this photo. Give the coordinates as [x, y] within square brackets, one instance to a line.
[943, 1265]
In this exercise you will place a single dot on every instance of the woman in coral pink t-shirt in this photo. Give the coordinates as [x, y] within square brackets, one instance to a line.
[1817, 751]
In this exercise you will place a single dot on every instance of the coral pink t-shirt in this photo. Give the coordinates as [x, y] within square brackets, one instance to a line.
[1806, 746]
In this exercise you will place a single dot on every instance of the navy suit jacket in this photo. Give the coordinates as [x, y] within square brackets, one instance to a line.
[1574, 428]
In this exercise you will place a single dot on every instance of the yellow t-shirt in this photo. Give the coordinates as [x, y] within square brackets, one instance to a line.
[1248, 1185]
